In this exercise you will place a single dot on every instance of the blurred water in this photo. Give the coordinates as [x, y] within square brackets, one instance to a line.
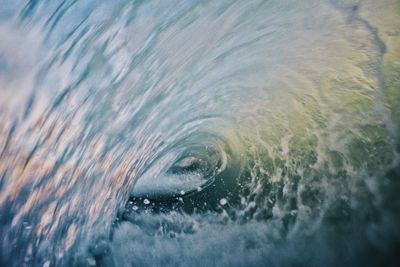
[199, 133]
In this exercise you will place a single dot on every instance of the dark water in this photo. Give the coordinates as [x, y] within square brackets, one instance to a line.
[199, 133]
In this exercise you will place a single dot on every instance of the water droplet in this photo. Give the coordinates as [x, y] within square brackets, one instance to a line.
[91, 261]
[252, 204]
[182, 192]
[146, 201]
[223, 201]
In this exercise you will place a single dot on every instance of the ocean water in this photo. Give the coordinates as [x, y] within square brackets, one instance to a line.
[199, 133]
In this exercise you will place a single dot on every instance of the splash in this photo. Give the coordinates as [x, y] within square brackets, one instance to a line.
[192, 133]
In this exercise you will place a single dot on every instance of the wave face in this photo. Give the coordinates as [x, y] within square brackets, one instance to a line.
[199, 133]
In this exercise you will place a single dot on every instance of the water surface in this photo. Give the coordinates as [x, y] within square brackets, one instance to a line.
[199, 133]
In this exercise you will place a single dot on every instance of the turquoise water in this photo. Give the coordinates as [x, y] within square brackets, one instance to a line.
[199, 133]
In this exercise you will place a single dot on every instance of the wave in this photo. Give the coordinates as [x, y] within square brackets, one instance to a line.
[193, 133]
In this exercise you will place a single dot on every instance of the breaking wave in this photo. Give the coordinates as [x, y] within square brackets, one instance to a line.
[199, 133]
